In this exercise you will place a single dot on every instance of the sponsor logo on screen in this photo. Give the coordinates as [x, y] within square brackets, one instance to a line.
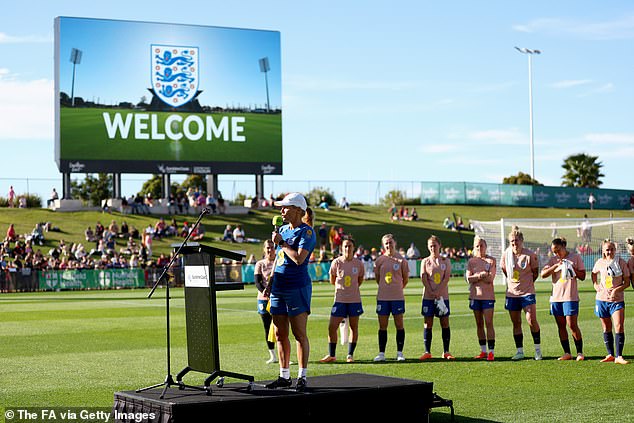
[174, 73]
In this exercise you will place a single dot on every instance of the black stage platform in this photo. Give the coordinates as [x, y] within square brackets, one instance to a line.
[344, 396]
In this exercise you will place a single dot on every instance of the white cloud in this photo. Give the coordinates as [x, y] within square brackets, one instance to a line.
[26, 109]
[570, 83]
[621, 28]
[499, 137]
[607, 138]
[23, 39]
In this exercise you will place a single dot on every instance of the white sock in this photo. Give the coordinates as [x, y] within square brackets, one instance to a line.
[491, 351]
[301, 372]
[520, 350]
[285, 373]
[538, 348]
[272, 353]
[483, 348]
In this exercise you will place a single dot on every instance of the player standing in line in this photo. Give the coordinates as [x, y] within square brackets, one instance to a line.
[262, 273]
[566, 268]
[630, 263]
[392, 275]
[521, 267]
[435, 272]
[481, 270]
[610, 304]
[346, 274]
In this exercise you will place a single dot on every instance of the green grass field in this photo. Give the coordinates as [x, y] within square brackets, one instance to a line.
[84, 137]
[78, 348]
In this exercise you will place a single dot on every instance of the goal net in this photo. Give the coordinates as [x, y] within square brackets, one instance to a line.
[583, 236]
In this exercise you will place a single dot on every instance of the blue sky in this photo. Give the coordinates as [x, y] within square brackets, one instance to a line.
[116, 62]
[402, 90]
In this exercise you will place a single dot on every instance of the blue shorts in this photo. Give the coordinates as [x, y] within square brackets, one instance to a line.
[262, 306]
[429, 309]
[384, 308]
[346, 309]
[518, 303]
[291, 302]
[564, 308]
[480, 305]
[605, 309]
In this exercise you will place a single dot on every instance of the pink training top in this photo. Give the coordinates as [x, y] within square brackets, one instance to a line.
[435, 273]
[521, 282]
[264, 268]
[390, 273]
[607, 281]
[483, 288]
[347, 275]
[565, 287]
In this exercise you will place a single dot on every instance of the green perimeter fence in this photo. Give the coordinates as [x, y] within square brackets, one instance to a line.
[21, 280]
[523, 195]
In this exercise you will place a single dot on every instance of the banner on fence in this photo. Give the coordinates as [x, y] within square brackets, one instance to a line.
[52, 280]
[522, 195]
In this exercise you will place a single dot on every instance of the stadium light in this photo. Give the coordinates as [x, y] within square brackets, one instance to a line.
[264, 67]
[529, 52]
[75, 58]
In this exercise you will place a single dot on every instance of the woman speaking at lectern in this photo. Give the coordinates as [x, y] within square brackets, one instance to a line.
[291, 288]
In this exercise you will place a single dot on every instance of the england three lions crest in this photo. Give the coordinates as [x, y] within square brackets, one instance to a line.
[174, 73]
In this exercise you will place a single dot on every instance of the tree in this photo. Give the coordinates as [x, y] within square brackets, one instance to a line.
[582, 170]
[521, 179]
[394, 197]
[197, 182]
[92, 189]
[153, 186]
[316, 194]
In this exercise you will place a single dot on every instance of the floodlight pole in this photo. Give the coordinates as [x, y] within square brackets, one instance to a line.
[75, 58]
[72, 90]
[529, 53]
[265, 68]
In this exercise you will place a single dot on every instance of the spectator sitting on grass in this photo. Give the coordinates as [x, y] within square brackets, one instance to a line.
[238, 234]
[449, 224]
[199, 233]
[412, 252]
[37, 235]
[125, 230]
[393, 211]
[324, 204]
[344, 204]
[11, 235]
[227, 235]
[184, 229]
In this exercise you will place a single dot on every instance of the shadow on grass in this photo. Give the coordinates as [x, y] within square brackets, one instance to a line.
[441, 416]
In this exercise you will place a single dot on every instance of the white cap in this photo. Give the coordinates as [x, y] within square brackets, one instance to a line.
[293, 199]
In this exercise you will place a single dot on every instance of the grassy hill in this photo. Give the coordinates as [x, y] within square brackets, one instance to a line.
[366, 223]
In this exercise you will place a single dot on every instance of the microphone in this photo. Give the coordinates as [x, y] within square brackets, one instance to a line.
[277, 222]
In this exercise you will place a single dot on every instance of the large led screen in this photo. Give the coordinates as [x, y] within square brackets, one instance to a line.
[141, 97]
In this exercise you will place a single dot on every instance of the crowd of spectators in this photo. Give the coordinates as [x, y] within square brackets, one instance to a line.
[98, 251]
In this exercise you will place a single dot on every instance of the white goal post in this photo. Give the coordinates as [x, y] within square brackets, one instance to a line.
[583, 236]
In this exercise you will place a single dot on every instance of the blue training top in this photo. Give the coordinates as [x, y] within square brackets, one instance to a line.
[287, 273]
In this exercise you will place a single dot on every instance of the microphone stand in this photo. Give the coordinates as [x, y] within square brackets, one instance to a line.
[169, 379]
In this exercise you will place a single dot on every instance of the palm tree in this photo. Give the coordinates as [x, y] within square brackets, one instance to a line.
[582, 170]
